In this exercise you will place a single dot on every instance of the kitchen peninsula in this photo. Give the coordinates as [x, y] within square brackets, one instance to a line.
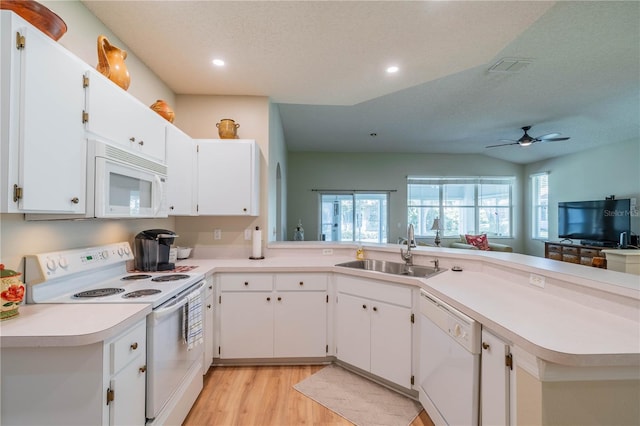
[577, 330]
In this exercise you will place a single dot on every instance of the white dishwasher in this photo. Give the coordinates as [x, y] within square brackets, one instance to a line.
[449, 368]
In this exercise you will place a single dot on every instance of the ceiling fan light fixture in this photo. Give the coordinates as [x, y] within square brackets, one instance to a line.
[526, 143]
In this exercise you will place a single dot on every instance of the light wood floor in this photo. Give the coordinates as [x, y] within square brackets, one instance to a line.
[252, 396]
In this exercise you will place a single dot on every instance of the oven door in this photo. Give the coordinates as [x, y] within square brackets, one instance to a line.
[123, 191]
[169, 358]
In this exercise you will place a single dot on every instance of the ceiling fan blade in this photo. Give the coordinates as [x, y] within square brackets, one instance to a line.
[548, 136]
[508, 140]
[553, 139]
[503, 144]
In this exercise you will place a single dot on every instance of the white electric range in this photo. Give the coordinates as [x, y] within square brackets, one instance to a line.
[174, 327]
[99, 275]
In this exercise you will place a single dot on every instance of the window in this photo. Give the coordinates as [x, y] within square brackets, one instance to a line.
[540, 206]
[354, 216]
[464, 205]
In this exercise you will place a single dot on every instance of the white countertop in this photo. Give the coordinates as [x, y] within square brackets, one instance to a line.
[69, 324]
[552, 328]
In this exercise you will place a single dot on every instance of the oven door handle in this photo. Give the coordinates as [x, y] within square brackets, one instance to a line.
[175, 305]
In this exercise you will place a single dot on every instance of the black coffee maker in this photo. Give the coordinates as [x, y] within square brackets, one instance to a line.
[152, 250]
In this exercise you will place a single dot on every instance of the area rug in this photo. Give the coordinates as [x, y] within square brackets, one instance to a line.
[357, 399]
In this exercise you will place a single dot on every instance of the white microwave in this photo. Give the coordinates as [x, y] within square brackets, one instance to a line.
[125, 185]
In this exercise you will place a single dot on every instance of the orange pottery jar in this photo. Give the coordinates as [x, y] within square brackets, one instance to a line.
[11, 293]
[227, 129]
[165, 111]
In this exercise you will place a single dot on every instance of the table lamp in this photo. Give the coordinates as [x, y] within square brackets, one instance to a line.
[436, 227]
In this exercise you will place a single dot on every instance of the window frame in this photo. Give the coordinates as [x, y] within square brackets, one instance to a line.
[537, 206]
[477, 182]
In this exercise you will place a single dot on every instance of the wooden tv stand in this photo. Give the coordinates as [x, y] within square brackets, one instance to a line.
[575, 253]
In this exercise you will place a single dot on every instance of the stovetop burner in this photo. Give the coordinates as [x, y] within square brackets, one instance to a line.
[141, 293]
[135, 277]
[173, 277]
[98, 292]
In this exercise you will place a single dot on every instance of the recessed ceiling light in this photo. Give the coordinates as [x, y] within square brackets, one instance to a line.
[218, 62]
[392, 69]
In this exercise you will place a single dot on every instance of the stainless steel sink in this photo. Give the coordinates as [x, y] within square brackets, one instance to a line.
[394, 268]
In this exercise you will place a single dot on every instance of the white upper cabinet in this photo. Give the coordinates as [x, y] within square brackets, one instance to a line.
[43, 143]
[228, 177]
[113, 114]
[182, 179]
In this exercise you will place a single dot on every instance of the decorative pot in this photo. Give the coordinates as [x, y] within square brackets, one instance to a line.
[163, 108]
[11, 293]
[227, 129]
[111, 63]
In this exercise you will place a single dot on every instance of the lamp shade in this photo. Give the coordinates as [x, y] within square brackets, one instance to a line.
[436, 224]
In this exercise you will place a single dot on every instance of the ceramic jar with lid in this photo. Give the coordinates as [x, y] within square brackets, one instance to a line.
[11, 293]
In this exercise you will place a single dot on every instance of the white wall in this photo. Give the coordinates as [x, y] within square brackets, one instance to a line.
[613, 169]
[384, 171]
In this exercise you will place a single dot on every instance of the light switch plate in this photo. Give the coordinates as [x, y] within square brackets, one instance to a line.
[537, 280]
[217, 234]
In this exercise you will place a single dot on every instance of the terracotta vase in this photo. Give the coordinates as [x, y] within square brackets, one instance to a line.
[163, 108]
[11, 293]
[227, 129]
[111, 63]
[37, 15]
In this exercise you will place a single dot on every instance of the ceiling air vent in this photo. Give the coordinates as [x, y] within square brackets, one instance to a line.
[510, 65]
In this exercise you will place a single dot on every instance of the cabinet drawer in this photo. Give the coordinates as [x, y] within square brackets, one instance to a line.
[128, 347]
[586, 260]
[571, 258]
[554, 248]
[375, 290]
[309, 282]
[555, 255]
[570, 250]
[589, 253]
[246, 282]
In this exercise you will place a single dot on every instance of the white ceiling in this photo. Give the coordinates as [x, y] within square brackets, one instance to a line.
[324, 63]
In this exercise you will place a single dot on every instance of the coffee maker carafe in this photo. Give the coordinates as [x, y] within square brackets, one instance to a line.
[152, 250]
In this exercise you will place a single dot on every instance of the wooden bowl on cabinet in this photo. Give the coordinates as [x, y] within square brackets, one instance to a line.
[37, 15]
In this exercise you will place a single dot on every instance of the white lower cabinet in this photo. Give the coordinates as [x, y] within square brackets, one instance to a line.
[495, 376]
[273, 316]
[209, 329]
[373, 328]
[98, 384]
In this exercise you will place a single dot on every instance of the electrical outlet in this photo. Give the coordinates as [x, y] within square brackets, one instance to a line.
[247, 234]
[217, 234]
[327, 252]
[537, 280]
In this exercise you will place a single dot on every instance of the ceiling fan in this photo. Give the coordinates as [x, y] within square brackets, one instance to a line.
[527, 140]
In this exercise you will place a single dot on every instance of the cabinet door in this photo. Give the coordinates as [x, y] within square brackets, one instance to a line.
[53, 148]
[391, 342]
[247, 325]
[182, 173]
[352, 331]
[228, 178]
[117, 116]
[494, 383]
[208, 332]
[128, 406]
[300, 324]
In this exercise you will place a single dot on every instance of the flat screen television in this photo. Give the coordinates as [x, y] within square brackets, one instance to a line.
[596, 221]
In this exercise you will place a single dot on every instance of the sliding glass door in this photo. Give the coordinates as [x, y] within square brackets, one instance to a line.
[354, 216]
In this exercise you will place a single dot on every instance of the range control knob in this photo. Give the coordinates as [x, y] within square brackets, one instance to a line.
[121, 251]
[127, 251]
[63, 262]
[457, 330]
[105, 254]
[51, 265]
